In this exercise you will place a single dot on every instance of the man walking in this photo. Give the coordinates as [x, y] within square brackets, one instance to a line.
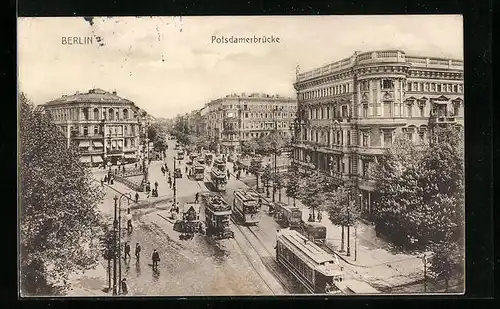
[128, 217]
[156, 258]
[196, 197]
[127, 250]
[228, 175]
[124, 286]
[156, 185]
[137, 197]
[163, 170]
[137, 251]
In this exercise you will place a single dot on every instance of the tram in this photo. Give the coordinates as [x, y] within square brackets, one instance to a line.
[220, 165]
[318, 271]
[217, 216]
[291, 216]
[208, 158]
[246, 207]
[314, 231]
[201, 160]
[180, 155]
[193, 157]
[198, 172]
[218, 180]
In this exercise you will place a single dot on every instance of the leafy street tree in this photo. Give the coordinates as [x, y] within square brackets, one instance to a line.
[292, 184]
[448, 259]
[60, 226]
[341, 208]
[279, 181]
[311, 189]
[255, 168]
[250, 147]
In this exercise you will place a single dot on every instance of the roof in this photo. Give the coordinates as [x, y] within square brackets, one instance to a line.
[93, 96]
[306, 247]
[244, 196]
[314, 224]
[187, 206]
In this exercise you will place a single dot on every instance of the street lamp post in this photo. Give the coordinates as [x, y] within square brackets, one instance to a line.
[175, 189]
[356, 232]
[146, 155]
[348, 224]
[115, 226]
[424, 259]
[129, 197]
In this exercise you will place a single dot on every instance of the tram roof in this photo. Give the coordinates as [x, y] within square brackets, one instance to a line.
[307, 247]
[187, 206]
[245, 196]
[218, 172]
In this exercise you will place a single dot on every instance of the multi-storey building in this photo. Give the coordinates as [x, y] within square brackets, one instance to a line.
[97, 119]
[237, 118]
[350, 110]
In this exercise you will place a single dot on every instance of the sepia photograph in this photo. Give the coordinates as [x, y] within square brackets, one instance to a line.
[241, 156]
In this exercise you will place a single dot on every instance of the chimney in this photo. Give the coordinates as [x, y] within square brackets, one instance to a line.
[114, 92]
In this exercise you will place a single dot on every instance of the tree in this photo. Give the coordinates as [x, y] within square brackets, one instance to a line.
[311, 189]
[448, 260]
[60, 226]
[279, 182]
[266, 176]
[249, 147]
[292, 185]
[341, 208]
[255, 168]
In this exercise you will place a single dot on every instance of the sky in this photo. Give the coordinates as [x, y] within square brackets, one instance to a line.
[169, 65]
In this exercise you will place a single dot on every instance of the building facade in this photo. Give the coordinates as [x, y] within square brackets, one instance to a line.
[350, 110]
[104, 126]
[236, 118]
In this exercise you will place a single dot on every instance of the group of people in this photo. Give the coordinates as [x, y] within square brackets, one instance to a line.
[311, 217]
[155, 257]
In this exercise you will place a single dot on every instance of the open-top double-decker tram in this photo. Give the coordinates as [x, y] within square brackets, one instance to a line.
[217, 216]
[198, 172]
[218, 180]
[318, 271]
[246, 207]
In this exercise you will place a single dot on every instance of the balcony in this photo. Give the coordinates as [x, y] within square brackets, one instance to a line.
[114, 151]
[86, 136]
[86, 151]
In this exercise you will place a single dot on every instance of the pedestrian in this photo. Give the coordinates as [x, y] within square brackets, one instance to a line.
[163, 170]
[112, 179]
[196, 197]
[137, 251]
[129, 220]
[156, 258]
[135, 165]
[228, 175]
[170, 181]
[102, 182]
[148, 187]
[186, 169]
[123, 169]
[156, 185]
[127, 250]
[311, 219]
[136, 197]
[124, 286]
[319, 216]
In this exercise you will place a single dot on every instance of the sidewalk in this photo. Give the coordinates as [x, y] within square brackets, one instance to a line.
[89, 283]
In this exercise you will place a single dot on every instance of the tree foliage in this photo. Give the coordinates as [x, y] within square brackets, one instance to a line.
[421, 200]
[292, 184]
[340, 206]
[60, 226]
[255, 168]
[156, 134]
[311, 191]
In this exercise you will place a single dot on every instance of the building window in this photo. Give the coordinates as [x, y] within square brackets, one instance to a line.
[433, 87]
[426, 87]
[387, 139]
[421, 109]
[85, 131]
[125, 130]
[409, 110]
[348, 137]
[344, 111]
[387, 84]
[438, 87]
[365, 139]
[96, 114]
[456, 109]
[366, 166]
[364, 86]
[125, 114]
[111, 114]
[421, 137]
[86, 114]
[387, 109]
[409, 135]
[365, 110]
[125, 143]
[96, 130]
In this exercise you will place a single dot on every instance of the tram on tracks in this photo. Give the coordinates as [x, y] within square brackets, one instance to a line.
[193, 157]
[314, 231]
[217, 216]
[220, 165]
[290, 216]
[218, 180]
[198, 172]
[318, 271]
[246, 207]
[208, 158]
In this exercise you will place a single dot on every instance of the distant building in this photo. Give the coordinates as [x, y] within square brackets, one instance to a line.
[96, 119]
[238, 118]
[350, 110]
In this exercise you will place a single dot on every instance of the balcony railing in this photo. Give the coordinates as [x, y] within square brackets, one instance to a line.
[81, 135]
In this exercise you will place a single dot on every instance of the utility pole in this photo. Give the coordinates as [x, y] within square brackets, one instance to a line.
[175, 189]
[348, 224]
[129, 196]
[146, 155]
[115, 226]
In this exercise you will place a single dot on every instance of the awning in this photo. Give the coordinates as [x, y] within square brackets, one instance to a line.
[97, 144]
[96, 159]
[85, 159]
[130, 156]
[84, 144]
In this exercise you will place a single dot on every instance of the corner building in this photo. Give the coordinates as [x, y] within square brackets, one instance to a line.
[234, 119]
[350, 110]
[104, 127]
